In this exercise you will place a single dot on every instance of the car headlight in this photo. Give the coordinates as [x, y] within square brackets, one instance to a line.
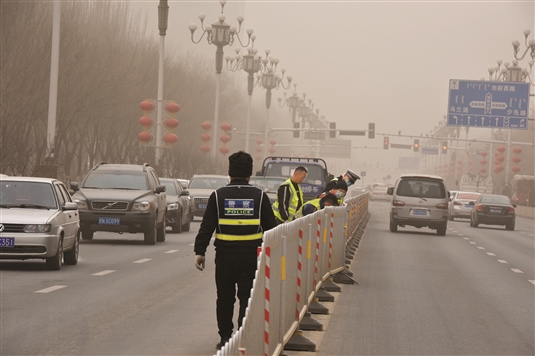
[37, 228]
[141, 206]
[172, 206]
[82, 204]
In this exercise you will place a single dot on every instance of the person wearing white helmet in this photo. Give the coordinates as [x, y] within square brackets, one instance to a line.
[349, 177]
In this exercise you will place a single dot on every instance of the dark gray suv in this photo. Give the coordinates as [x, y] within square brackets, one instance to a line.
[122, 198]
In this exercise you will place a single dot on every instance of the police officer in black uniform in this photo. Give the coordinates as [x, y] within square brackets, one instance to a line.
[239, 213]
[349, 177]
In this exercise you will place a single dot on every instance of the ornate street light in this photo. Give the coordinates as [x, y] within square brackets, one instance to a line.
[292, 102]
[509, 72]
[268, 79]
[250, 63]
[219, 34]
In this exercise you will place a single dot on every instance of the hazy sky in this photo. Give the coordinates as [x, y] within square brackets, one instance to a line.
[387, 62]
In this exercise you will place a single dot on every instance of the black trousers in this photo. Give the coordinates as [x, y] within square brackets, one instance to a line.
[233, 270]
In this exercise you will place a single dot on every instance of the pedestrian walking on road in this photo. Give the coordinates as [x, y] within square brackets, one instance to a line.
[239, 214]
[290, 196]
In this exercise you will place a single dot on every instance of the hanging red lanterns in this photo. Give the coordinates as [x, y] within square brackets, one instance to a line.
[500, 158]
[172, 107]
[206, 125]
[498, 169]
[145, 122]
[500, 149]
[224, 150]
[225, 138]
[145, 137]
[483, 170]
[205, 149]
[259, 141]
[170, 138]
[516, 159]
[171, 123]
[517, 150]
[146, 106]
[516, 169]
[205, 137]
[483, 153]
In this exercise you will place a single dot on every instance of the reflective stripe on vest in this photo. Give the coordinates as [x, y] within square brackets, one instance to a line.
[294, 200]
[315, 202]
[238, 237]
[239, 222]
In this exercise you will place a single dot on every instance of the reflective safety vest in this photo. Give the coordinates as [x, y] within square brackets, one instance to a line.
[295, 197]
[239, 211]
[316, 202]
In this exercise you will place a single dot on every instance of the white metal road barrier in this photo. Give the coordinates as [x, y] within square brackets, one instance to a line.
[295, 259]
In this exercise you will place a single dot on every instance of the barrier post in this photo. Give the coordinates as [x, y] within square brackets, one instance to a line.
[267, 297]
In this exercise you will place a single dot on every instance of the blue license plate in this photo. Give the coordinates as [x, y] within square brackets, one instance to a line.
[202, 206]
[109, 221]
[7, 242]
[419, 212]
[468, 206]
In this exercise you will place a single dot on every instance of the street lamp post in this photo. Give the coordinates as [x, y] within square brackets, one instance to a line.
[292, 102]
[268, 79]
[163, 14]
[219, 34]
[251, 64]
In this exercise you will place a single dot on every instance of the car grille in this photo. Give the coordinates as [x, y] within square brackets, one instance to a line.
[199, 201]
[105, 205]
[23, 249]
[13, 227]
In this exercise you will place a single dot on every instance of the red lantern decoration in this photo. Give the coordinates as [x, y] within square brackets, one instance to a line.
[145, 121]
[517, 159]
[205, 137]
[259, 141]
[500, 149]
[517, 150]
[206, 125]
[516, 169]
[146, 106]
[500, 158]
[144, 137]
[258, 149]
[225, 138]
[172, 107]
[483, 161]
[225, 126]
[224, 150]
[170, 138]
[498, 168]
[171, 123]
[205, 149]
[272, 142]
[272, 150]
[484, 153]
[258, 157]
[483, 170]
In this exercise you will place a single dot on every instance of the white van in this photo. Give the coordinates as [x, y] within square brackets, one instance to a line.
[421, 201]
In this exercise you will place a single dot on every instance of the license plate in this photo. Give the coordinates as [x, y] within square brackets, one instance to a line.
[202, 206]
[419, 212]
[109, 221]
[468, 206]
[7, 242]
[498, 211]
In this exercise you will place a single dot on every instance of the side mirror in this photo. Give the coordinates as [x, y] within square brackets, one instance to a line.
[390, 191]
[69, 206]
[74, 186]
[184, 193]
[159, 189]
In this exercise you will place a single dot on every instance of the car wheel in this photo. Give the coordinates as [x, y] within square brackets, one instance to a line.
[54, 263]
[186, 225]
[87, 234]
[475, 223]
[510, 226]
[160, 233]
[393, 227]
[71, 256]
[471, 222]
[177, 227]
[441, 230]
[150, 235]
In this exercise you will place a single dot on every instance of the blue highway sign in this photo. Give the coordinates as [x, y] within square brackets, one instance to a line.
[475, 103]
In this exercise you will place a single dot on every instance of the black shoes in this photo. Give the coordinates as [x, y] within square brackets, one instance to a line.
[221, 344]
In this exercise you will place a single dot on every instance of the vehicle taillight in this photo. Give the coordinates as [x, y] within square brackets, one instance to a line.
[479, 207]
[442, 206]
[457, 202]
[398, 203]
[511, 210]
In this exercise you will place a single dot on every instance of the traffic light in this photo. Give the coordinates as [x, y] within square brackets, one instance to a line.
[444, 146]
[371, 130]
[386, 143]
[416, 145]
[332, 126]
[296, 133]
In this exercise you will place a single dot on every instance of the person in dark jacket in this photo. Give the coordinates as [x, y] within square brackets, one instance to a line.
[314, 205]
[349, 177]
[239, 214]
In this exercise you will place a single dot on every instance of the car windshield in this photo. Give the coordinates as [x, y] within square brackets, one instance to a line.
[467, 196]
[380, 189]
[285, 169]
[170, 187]
[495, 199]
[27, 194]
[271, 184]
[207, 183]
[422, 188]
[116, 180]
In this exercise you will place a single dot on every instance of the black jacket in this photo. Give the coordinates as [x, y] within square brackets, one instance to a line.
[331, 184]
[237, 189]
[283, 196]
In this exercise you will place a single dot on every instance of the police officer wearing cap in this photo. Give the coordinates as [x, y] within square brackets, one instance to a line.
[239, 214]
[349, 177]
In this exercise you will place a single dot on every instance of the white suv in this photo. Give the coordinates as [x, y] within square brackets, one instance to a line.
[419, 201]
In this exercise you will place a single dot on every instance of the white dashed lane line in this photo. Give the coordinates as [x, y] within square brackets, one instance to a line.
[481, 248]
[472, 243]
[50, 289]
[533, 282]
[516, 270]
[104, 272]
[490, 254]
[171, 251]
[142, 260]
[460, 235]
[466, 238]
[502, 261]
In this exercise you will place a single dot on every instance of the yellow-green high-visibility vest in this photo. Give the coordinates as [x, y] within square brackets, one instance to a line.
[315, 202]
[296, 196]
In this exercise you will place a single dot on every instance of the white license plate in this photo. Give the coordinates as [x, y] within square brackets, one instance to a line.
[7, 242]
[467, 206]
[109, 221]
[202, 206]
[419, 212]
[497, 211]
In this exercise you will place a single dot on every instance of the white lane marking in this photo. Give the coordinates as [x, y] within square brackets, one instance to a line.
[472, 243]
[490, 254]
[466, 238]
[50, 289]
[460, 234]
[481, 248]
[533, 282]
[530, 234]
[502, 261]
[142, 260]
[454, 230]
[108, 271]
[171, 251]
[522, 232]
[516, 270]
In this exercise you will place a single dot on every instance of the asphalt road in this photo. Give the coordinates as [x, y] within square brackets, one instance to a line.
[471, 292]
